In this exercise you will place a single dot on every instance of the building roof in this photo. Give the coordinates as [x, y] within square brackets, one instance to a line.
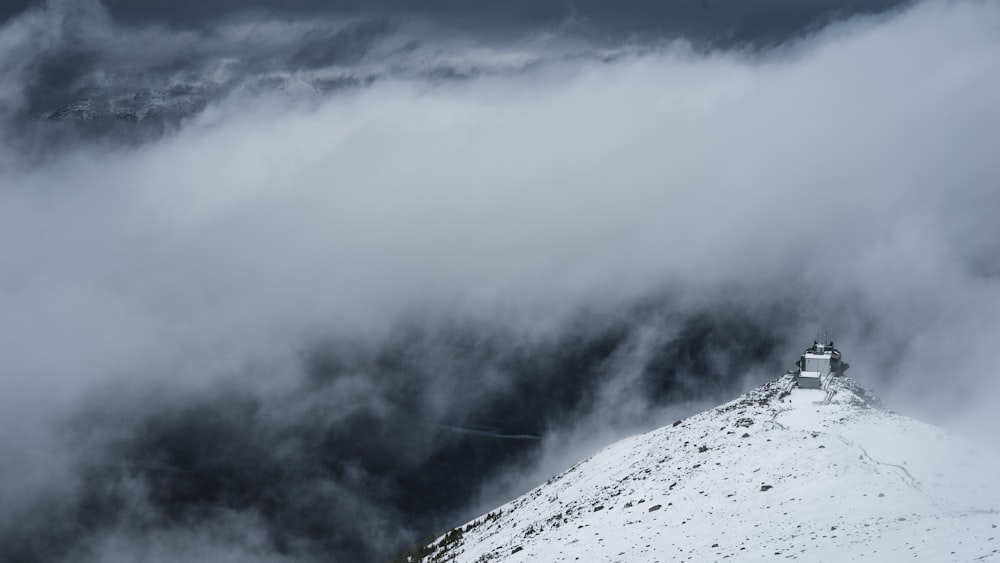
[826, 356]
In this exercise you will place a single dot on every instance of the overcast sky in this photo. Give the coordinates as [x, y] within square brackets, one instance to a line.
[302, 281]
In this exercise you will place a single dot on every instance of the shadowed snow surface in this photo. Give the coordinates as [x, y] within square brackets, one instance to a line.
[780, 473]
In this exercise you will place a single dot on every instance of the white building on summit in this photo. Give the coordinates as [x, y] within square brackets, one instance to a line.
[817, 364]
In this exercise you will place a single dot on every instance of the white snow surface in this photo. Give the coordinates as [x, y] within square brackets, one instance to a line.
[779, 474]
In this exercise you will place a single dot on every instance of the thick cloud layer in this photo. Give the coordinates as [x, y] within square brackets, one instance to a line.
[303, 323]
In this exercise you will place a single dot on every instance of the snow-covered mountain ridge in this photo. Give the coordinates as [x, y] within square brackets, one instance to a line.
[779, 473]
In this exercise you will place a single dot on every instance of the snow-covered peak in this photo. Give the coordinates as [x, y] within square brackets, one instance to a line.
[779, 473]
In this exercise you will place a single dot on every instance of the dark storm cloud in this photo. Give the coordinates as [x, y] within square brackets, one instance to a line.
[132, 70]
[15, 7]
[724, 20]
[343, 47]
[379, 444]
[74, 71]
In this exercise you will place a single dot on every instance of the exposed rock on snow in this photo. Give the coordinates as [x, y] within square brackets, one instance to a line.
[780, 473]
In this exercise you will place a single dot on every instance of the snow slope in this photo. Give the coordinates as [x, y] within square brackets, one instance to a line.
[778, 474]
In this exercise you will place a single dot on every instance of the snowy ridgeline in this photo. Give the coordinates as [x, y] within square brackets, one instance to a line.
[780, 473]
